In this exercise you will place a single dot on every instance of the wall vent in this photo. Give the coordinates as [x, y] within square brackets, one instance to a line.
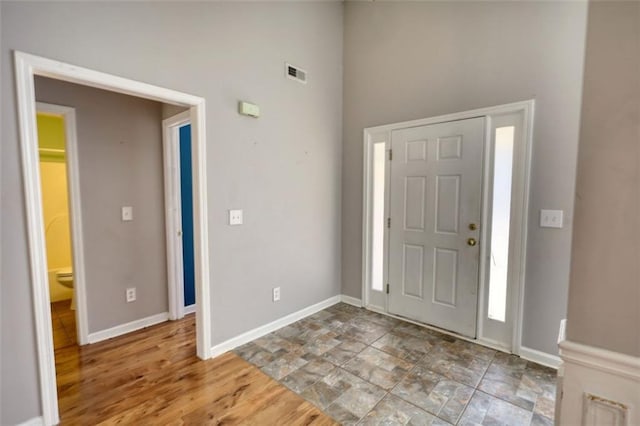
[295, 73]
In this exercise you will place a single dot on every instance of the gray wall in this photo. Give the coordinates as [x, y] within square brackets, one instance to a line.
[120, 161]
[604, 302]
[409, 60]
[282, 169]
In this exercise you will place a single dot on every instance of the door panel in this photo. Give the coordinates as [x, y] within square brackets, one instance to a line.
[186, 194]
[435, 194]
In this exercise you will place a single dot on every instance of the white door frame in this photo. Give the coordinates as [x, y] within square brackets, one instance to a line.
[173, 212]
[519, 214]
[75, 213]
[26, 68]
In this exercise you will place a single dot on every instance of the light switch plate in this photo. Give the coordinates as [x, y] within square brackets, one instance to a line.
[235, 217]
[551, 218]
[127, 213]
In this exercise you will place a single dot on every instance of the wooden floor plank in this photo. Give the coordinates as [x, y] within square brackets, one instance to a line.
[153, 376]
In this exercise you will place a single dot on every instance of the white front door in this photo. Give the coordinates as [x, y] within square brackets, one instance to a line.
[435, 208]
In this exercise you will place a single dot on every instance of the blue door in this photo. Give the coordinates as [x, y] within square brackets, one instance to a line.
[186, 193]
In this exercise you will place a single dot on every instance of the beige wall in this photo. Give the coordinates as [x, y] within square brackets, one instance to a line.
[410, 60]
[604, 295]
[282, 169]
[120, 164]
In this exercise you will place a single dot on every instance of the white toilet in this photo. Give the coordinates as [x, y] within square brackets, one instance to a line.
[64, 276]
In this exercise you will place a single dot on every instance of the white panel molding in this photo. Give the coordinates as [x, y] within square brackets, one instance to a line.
[540, 357]
[258, 332]
[353, 301]
[26, 68]
[119, 330]
[36, 421]
[598, 386]
[609, 362]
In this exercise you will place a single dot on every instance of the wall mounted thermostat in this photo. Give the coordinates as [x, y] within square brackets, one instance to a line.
[251, 110]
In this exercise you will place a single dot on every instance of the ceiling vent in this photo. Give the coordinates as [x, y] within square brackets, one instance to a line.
[295, 73]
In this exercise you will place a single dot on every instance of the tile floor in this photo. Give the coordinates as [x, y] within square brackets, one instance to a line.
[63, 323]
[364, 368]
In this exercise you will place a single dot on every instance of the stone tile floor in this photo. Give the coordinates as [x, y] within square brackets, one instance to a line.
[364, 368]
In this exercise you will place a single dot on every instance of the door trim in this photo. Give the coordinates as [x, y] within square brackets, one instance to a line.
[173, 211]
[519, 213]
[27, 66]
[75, 213]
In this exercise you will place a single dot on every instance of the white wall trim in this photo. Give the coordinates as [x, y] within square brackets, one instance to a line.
[121, 329]
[540, 357]
[26, 68]
[75, 213]
[173, 211]
[354, 301]
[191, 309]
[36, 421]
[598, 386]
[601, 359]
[519, 217]
[258, 332]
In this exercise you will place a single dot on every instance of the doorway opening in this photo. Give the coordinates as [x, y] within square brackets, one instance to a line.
[57, 147]
[176, 134]
[27, 68]
[444, 221]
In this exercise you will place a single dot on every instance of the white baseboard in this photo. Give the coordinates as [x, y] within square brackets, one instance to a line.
[258, 332]
[598, 386]
[540, 357]
[119, 330]
[351, 300]
[189, 309]
[36, 421]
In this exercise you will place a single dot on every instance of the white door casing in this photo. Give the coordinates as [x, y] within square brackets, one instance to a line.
[173, 211]
[436, 198]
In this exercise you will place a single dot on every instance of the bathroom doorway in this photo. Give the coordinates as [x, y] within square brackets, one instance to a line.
[61, 209]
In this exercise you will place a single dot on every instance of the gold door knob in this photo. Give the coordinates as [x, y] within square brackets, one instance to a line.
[473, 226]
[471, 241]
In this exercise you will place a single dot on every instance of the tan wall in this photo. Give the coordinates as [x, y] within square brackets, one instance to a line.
[604, 295]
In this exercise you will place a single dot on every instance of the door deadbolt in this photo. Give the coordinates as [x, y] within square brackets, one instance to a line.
[472, 242]
[473, 226]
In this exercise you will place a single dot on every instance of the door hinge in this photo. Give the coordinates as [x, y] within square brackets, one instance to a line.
[388, 222]
[387, 288]
[390, 155]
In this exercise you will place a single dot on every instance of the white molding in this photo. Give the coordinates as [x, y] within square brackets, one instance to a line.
[36, 421]
[540, 357]
[603, 360]
[26, 68]
[75, 214]
[173, 211]
[519, 218]
[598, 386]
[121, 329]
[191, 309]
[354, 301]
[258, 332]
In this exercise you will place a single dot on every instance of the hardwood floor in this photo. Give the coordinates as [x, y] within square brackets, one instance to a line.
[154, 377]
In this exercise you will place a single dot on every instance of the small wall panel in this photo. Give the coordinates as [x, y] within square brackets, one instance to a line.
[445, 276]
[413, 270]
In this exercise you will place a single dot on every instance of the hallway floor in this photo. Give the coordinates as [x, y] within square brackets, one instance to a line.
[63, 322]
[360, 367]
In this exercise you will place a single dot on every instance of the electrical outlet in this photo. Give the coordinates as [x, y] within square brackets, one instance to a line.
[131, 294]
[551, 218]
[276, 294]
